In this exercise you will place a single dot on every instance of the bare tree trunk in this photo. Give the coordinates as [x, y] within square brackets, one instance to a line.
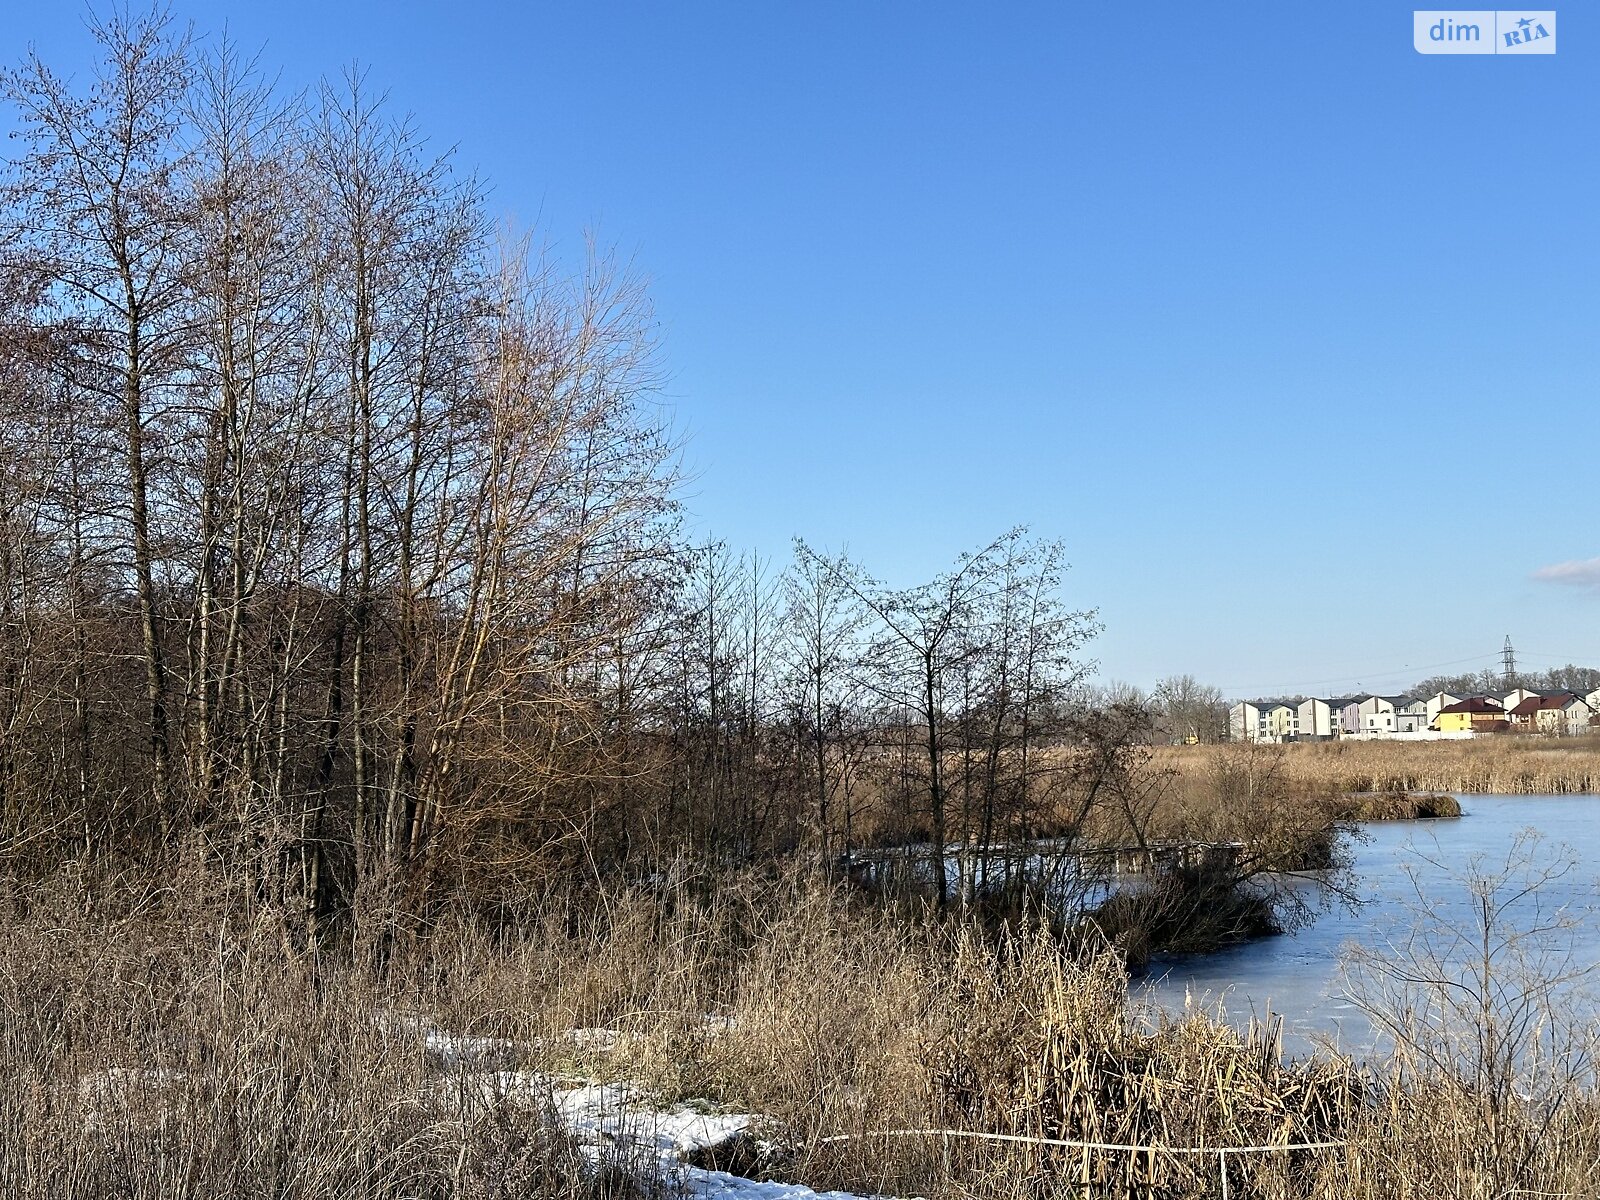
[155, 671]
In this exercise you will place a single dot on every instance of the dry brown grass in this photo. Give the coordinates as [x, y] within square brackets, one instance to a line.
[151, 1047]
[148, 1050]
[1503, 765]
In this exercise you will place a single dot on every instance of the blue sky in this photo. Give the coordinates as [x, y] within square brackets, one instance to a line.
[1287, 331]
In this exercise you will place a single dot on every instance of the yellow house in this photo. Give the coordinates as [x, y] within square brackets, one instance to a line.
[1474, 715]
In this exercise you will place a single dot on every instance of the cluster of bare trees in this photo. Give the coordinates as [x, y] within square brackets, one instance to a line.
[323, 512]
[819, 707]
[1181, 709]
[1492, 681]
[338, 534]
[1191, 711]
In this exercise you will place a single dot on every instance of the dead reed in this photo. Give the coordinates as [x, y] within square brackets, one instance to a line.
[1498, 765]
[152, 1044]
[150, 1049]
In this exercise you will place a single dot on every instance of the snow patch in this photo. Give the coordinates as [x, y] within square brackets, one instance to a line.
[619, 1120]
[719, 1185]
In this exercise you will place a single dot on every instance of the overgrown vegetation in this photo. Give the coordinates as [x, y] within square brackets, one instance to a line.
[157, 1042]
[339, 538]
[1399, 806]
[342, 534]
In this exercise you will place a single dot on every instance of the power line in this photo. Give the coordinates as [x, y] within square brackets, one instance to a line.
[1561, 658]
[1508, 657]
[1476, 658]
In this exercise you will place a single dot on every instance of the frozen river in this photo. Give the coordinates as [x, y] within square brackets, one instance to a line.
[1298, 975]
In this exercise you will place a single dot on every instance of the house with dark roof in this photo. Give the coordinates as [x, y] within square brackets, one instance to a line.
[1475, 714]
[1516, 696]
[1412, 716]
[1323, 718]
[1562, 714]
[1263, 721]
[1381, 714]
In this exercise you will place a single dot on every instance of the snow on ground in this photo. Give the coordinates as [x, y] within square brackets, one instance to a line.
[591, 1039]
[619, 1116]
[455, 1049]
[719, 1185]
[619, 1119]
[448, 1049]
[610, 1119]
[126, 1089]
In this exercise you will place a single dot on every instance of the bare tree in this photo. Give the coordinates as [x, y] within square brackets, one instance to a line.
[382, 495]
[993, 617]
[339, 541]
[824, 620]
[1194, 712]
[98, 201]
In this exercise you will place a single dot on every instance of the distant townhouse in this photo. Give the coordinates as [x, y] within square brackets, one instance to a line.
[1411, 716]
[1348, 716]
[1263, 721]
[1475, 714]
[1282, 722]
[1564, 714]
[1516, 696]
[1244, 721]
[1581, 715]
[1380, 714]
[1322, 718]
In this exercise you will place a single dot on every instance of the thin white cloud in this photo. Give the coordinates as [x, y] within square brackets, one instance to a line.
[1580, 573]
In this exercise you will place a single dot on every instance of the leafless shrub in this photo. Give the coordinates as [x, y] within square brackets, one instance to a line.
[1489, 1014]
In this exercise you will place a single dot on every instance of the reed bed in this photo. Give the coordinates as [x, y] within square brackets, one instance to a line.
[159, 1043]
[1497, 764]
[150, 1049]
